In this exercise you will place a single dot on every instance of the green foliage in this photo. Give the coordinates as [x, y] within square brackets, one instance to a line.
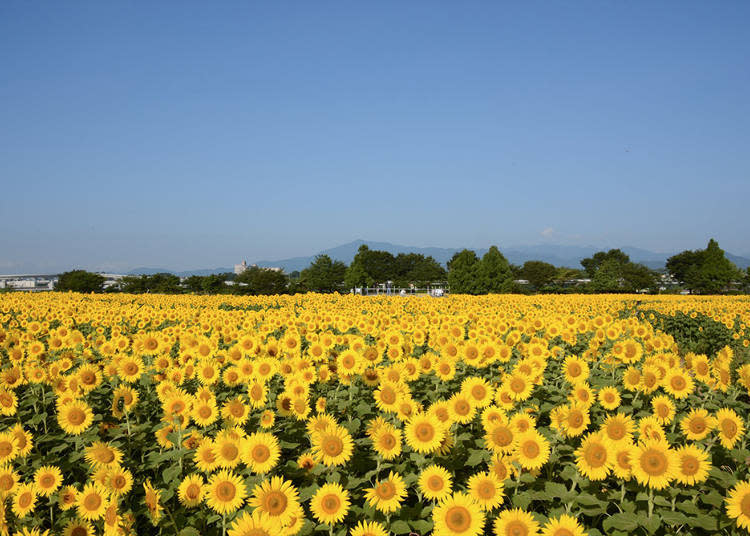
[80, 281]
[538, 273]
[463, 273]
[705, 271]
[494, 271]
[162, 283]
[261, 281]
[324, 275]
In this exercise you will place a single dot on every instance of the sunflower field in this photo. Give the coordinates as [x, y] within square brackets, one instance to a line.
[367, 416]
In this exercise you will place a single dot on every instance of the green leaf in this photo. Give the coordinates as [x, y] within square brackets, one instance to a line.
[625, 522]
[712, 498]
[171, 473]
[555, 490]
[689, 507]
[521, 500]
[422, 526]
[476, 457]
[651, 524]
[190, 531]
[705, 522]
[400, 527]
[674, 518]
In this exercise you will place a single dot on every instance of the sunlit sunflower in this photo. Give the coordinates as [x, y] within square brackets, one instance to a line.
[333, 446]
[654, 464]
[388, 494]
[256, 524]
[678, 383]
[225, 492]
[697, 424]
[79, 527]
[500, 436]
[435, 483]
[424, 433]
[47, 479]
[153, 498]
[738, 504]
[532, 449]
[664, 409]
[119, 481]
[387, 442]
[594, 456]
[75, 417]
[575, 419]
[693, 465]
[609, 398]
[563, 525]
[486, 489]
[24, 499]
[261, 452]
[191, 490]
[730, 426]
[458, 515]
[100, 454]
[368, 528]
[205, 456]
[91, 502]
[330, 504]
[276, 497]
[515, 522]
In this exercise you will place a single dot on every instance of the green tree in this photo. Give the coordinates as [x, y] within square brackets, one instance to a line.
[538, 273]
[493, 271]
[637, 277]
[194, 283]
[592, 264]
[607, 277]
[356, 276]
[324, 274]
[706, 271]
[261, 281]
[214, 284]
[80, 281]
[463, 274]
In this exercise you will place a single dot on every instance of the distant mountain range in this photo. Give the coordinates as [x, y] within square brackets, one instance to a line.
[569, 256]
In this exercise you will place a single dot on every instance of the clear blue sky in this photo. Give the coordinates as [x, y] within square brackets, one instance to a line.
[188, 135]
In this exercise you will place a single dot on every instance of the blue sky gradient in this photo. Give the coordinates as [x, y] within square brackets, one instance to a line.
[187, 135]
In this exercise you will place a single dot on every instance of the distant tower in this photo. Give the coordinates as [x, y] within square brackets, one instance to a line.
[239, 268]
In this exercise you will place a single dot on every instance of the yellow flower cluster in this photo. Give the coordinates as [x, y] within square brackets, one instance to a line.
[273, 415]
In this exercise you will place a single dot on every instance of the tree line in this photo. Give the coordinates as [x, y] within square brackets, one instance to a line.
[703, 271]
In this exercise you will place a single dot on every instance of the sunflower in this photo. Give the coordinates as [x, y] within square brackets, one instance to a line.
[387, 396]
[79, 527]
[424, 433]
[435, 483]
[499, 437]
[261, 452]
[330, 503]
[8, 480]
[563, 525]
[486, 489]
[119, 481]
[228, 450]
[532, 450]
[205, 412]
[697, 424]
[515, 522]
[92, 502]
[594, 456]
[738, 504]
[387, 442]
[225, 492]
[576, 370]
[575, 420]
[622, 454]
[333, 446]
[100, 454]
[153, 496]
[653, 464]
[205, 456]
[191, 490]
[368, 528]
[235, 411]
[47, 479]
[75, 417]
[388, 494]
[609, 398]
[664, 409]
[8, 402]
[276, 497]
[518, 385]
[458, 515]
[618, 428]
[693, 465]
[478, 390]
[678, 383]
[267, 419]
[256, 524]
[24, 499]
[730, 426]
[8, 447]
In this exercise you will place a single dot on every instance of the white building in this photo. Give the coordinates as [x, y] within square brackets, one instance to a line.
[239, 268]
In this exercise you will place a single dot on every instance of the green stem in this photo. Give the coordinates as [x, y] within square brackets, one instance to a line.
[223, 524]
[650, 502]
